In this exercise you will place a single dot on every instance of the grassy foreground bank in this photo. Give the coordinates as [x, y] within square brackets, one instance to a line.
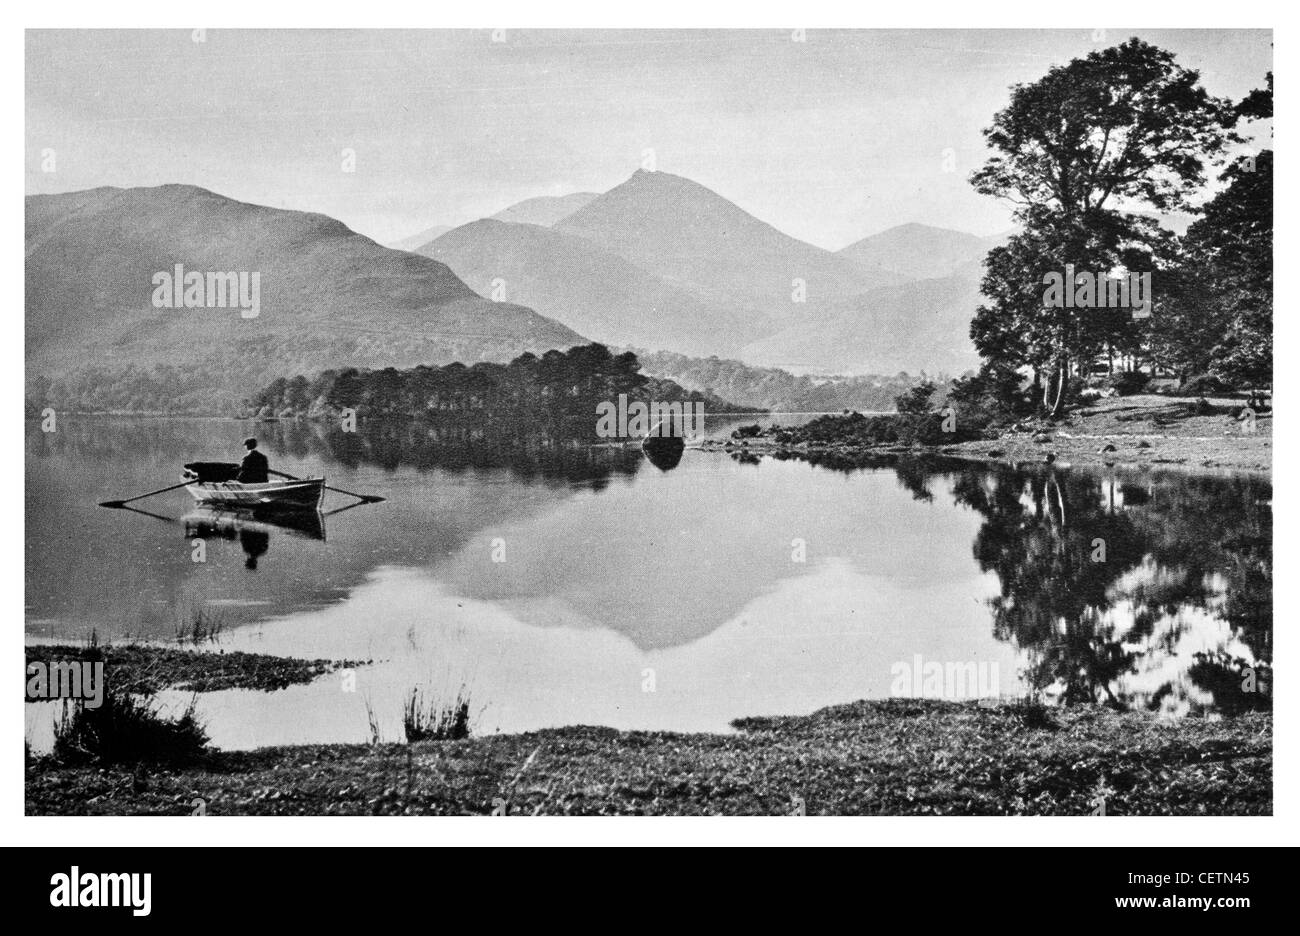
[891, 757]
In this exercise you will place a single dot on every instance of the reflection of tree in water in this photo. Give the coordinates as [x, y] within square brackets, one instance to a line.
[914, 473]
[1184, 556]
[530, 452]
[563, 450]
[1174, 619]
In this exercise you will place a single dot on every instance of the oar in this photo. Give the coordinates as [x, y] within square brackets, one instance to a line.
[364, 498]
[116, 504]
[145, 513]
[339, 510]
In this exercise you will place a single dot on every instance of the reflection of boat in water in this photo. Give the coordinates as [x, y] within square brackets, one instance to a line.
[252, 528]
[209, 522]
[214, 484]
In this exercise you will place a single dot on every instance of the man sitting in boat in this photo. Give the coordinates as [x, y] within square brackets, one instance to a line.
[254, 467]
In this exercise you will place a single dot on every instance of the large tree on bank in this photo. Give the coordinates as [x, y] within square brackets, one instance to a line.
[1086, 154]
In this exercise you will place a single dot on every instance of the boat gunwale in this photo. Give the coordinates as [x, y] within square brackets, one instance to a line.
[262, 495]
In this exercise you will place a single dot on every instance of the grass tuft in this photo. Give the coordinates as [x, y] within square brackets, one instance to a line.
[425, 718]
[199, 624]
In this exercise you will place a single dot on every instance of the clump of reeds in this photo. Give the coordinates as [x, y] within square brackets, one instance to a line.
[426, 717]
[199, 624]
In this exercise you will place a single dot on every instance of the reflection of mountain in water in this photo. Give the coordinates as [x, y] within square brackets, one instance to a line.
[668, 560]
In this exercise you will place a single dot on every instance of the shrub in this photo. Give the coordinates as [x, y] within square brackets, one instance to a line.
[902, 429]
[127, 729]
[916, 401]
[1074, 391]
[1204, 385]
[988, 399]
[1127, 383]
[1034, 713]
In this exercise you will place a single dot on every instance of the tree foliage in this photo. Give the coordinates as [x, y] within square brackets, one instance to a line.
[1086, 154]
[557, 385]
[1230, 256]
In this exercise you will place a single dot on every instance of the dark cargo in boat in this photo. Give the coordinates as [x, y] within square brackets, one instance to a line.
[213, 472]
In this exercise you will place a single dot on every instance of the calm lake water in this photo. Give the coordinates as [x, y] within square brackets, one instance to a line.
[563, 583]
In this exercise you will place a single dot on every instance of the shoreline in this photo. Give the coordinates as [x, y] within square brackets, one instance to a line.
[879, 757]
[152, 667]
[1176, 439]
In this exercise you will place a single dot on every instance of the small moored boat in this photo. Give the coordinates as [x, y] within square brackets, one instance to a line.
[664, 444]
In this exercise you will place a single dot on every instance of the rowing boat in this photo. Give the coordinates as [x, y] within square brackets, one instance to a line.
[213, 485]
[306, 494]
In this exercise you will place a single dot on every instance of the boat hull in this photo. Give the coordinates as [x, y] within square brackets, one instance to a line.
[664, 452]
[306, 494]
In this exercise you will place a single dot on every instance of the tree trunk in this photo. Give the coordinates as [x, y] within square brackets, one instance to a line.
[1062, 374]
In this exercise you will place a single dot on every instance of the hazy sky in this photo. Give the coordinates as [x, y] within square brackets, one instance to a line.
[829, 139]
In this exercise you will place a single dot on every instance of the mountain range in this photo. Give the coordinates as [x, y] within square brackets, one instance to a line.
[329, 297]
[658, 262]
[665, 263]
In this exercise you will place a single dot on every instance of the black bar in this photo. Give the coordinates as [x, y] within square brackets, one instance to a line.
[332, 885]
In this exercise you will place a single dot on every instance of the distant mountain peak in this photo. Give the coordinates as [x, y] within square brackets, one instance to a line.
[689, 235]
[658, 179]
